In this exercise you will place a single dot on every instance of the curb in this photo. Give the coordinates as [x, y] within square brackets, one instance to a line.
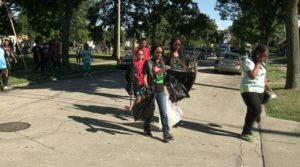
[263, 114]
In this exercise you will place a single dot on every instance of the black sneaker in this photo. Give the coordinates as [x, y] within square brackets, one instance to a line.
[147, 133]
[165, 140]
[168, 137]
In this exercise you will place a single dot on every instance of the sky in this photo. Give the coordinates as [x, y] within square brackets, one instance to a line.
[207, 7]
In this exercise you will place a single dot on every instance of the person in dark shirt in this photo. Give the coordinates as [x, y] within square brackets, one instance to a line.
[154, 72]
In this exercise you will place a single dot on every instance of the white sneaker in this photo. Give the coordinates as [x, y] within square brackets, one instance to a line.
[5, 88]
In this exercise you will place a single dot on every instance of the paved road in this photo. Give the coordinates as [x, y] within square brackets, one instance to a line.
[81, 122]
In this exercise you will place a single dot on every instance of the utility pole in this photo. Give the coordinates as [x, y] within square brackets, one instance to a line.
[119, 32]
[13, 28]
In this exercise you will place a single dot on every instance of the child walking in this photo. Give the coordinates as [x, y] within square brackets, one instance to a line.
[86, 60]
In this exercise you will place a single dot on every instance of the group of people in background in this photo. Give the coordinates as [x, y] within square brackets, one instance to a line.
[46, 56]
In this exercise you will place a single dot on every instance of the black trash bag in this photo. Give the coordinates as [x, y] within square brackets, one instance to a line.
[180, 83]
[129, 89]
[177, 90]
[186, 77]
[129, 77]
[145, 109]
[266, 97]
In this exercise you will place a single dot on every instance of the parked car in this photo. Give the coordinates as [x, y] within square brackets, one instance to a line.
[220, 51]
[229, 62]
[244, 53]
[126, 60]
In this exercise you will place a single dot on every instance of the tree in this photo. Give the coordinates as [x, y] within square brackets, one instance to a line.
[5, 27]
[47, 21]
[65, 14]
[79, 31]
[292, 36]
[245, 29]
[269, 14]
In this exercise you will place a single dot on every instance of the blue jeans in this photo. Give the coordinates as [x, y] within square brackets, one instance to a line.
[87, 67]
[162, 105]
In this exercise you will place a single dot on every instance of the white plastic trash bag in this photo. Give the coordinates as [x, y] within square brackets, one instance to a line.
[174, 114]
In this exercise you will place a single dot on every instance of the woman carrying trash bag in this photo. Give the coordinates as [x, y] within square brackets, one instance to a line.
[253, 85]
[154, 72]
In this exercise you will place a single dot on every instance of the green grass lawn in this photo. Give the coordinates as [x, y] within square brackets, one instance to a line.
[18, 75]
[276, 59]
[287, 103]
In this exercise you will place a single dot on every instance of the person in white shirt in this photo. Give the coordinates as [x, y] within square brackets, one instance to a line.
[253, 85]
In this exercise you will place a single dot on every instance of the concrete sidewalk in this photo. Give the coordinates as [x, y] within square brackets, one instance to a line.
[280, 142]
[82, 122]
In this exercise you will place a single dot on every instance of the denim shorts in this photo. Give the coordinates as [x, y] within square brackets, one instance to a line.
[138, 91]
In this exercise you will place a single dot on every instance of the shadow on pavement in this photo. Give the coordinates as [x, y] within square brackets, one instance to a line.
[263, 130]
[208, 129]
[207, 70]
[93, 85]
[109, 127]
[216, 86]
[115, 112]
[104, 126]
[295, 134]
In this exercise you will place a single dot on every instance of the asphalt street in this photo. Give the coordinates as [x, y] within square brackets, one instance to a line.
[82, 122]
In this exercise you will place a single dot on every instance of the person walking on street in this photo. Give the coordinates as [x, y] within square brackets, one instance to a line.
[86, 59]
[175, 59]
[54, 55]
[78, 55]
[253, 84]
[154, 72]
[3, 69]
[10, 57]
[37, 55]
[137, 78]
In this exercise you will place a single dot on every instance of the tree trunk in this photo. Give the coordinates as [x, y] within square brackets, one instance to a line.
[65, 12]
[115, 41]
[292, 36]
[264, 36]
[153, 37]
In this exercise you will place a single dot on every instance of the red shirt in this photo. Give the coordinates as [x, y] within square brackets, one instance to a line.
[138, 64]
[8, 51]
